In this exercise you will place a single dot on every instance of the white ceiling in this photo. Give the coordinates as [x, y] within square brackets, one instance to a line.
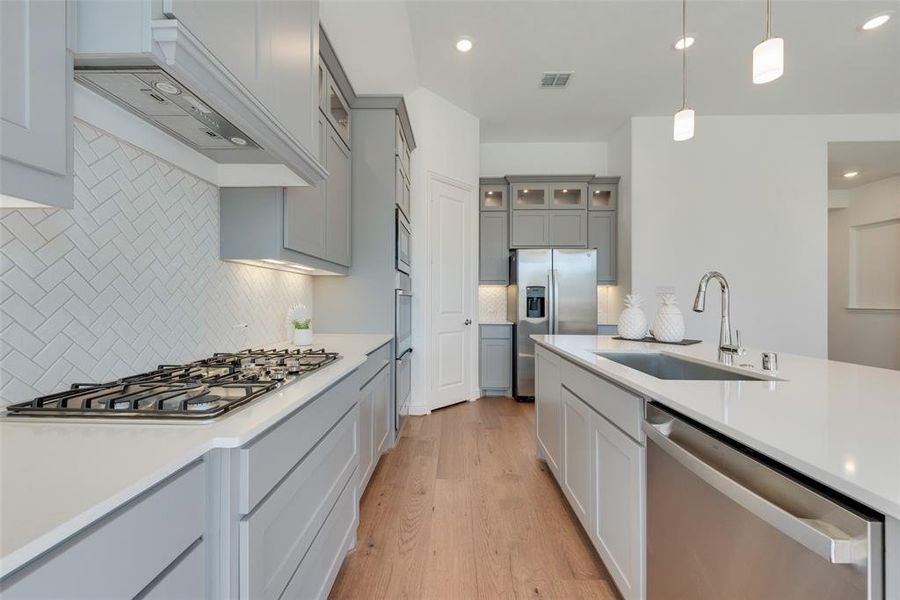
[620, 51]
[873, 160]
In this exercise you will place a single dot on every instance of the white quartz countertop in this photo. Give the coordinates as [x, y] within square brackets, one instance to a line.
[56, 477]
[835, 422]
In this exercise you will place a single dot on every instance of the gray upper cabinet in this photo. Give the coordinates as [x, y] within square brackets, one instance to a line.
[317, 218]
[337, 200]
[602, 196]
[528, 228]
[305, 209]
[530, 196]
[249, 38]
[493, 248]
[568, 196]
[602, 236]
[337, 108]
[567, 228]
[401, 181]
[494, 197]
[36, 103]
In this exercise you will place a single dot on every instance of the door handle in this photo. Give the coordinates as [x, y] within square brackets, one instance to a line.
[467, 322]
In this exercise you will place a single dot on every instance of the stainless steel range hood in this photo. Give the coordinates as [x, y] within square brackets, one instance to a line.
[170, 79]
[156, 97]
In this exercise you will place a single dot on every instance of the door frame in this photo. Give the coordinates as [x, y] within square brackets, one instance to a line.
[471, 192]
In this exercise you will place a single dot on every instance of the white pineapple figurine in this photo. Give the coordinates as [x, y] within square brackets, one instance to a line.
[633, 321]
[668, 326]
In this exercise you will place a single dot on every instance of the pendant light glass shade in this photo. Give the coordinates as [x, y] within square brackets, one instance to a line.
[768, 60]
[684, 125]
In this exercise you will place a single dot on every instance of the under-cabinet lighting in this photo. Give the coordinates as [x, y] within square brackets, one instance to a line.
[851, 174]
[273, 261]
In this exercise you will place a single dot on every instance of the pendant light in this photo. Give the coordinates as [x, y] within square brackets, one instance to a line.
[768, 56]
[684, 119]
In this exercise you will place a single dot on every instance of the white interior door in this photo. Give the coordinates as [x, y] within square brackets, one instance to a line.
[451, 292]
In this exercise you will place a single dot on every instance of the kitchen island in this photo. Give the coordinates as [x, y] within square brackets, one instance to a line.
[61, 478]
[836, 423]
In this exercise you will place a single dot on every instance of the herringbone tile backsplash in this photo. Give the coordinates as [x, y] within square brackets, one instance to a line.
[128, 279]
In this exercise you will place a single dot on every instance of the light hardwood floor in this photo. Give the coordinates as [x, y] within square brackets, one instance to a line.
[462, 509]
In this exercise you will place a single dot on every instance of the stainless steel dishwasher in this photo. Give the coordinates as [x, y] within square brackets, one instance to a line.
[723, 522]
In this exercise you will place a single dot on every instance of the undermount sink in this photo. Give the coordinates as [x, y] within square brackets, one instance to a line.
[665, 366]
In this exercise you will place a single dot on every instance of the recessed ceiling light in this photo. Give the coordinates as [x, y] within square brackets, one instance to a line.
[876, 22]
[239, 141]
[464, 44]
[166, 87]
[685, 42]
[851, 174]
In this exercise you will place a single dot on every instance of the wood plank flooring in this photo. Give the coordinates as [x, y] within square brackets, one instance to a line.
[462, 509]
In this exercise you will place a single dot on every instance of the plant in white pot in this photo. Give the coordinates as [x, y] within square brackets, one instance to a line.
[299, 325]
[302, 332]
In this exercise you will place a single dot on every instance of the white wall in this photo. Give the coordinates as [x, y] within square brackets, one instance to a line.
[747, 196]
[870, 337]
[543, 158]
[447, 145]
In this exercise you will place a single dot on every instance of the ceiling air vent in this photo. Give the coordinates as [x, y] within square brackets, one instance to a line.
[556, 80]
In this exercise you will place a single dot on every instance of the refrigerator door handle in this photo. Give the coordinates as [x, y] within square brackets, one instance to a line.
[551, 326]
[554, 302]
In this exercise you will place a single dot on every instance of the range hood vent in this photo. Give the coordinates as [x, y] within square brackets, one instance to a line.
[172, 81]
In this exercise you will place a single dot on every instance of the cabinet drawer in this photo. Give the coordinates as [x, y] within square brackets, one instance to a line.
[277, 535]
[620, 407]
[375, 361]
[126, 550]
[269, 458]
[186, 578]
[317, 572]
[496, 332]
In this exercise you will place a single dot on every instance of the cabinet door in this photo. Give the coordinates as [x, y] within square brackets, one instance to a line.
[529, 228]
[617, 521]
[381, 413]
[401, 184]
[547, 409]
[567, 228]
[577, 478]
[493, 248]
[495, 364]
[305, 209]
[530, 195]
[337, 199]
[568, 196]
[35, 103]
[271, 47]
[602, 236]
[603, 196]
[366, 434]
[494, 197]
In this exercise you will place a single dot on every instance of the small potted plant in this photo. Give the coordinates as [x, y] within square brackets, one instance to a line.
[298, 325]
[302, 332]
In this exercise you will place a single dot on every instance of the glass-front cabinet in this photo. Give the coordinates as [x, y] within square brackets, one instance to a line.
[568, 195]
[493, 197]
[337, 110]
[530, 196]
[602, 196]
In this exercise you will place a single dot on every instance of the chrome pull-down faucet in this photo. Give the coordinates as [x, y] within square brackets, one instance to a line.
[725, 343]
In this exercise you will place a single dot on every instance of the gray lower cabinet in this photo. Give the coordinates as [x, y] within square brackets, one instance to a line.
[493, 248]
[185, 578]
[547, 401]
[495, 359]
[602, 236]
[128, 552]
[528, 228]
[567, 228]
[36, 103]
[374, 411]
[576, 465]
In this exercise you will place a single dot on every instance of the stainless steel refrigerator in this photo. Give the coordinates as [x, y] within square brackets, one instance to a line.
[550, 292]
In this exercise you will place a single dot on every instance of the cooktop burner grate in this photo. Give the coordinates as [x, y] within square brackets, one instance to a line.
[200, 390]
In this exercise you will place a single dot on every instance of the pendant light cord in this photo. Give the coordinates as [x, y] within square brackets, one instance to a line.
[684, 54]
[768, 19]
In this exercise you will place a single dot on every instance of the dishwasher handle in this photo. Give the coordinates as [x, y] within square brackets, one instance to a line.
[840, 549]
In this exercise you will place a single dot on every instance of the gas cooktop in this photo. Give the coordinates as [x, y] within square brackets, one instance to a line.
[199, 390]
